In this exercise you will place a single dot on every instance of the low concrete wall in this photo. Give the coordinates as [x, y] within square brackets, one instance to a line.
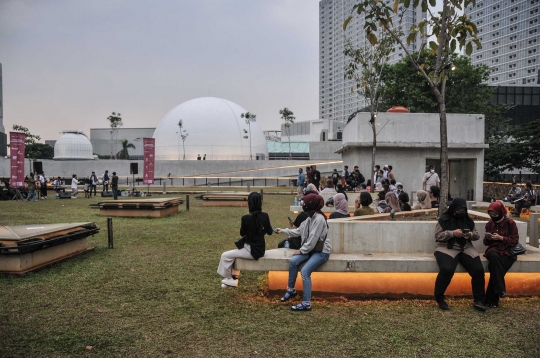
[499, 191]
[209, 168]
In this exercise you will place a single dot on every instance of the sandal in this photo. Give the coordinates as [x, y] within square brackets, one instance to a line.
[301, 307]
[288, 295]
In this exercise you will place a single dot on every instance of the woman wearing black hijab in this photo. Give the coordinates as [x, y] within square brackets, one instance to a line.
[252, 246]
[454, 233]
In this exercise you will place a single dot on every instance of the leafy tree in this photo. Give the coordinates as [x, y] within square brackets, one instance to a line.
[183, 134]
[40, 151]
[524, 147]
[449, 27]
[250, 117]
[115, 122]
[365, 67]
[30, 138]
[466, 92]
[287, 116]
[123, 153]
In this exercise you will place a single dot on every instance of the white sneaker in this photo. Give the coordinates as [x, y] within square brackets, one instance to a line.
[230, 282]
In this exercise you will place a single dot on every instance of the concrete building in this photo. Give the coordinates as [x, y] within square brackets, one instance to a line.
[103, 145]
[410, 142]
[3, 136]
[525, 102]
[336, 102]
[510, 36]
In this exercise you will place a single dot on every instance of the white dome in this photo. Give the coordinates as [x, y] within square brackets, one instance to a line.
[73, 145]
[214, 128]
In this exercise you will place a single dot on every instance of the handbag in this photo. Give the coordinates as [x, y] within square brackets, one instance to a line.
[319, 246]
[514, 250]
[240, 242]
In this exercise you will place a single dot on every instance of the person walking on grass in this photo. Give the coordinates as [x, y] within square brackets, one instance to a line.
[300, 183]
[74, 188]
[314, 252]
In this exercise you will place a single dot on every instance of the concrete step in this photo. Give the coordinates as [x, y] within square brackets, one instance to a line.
[275, 260]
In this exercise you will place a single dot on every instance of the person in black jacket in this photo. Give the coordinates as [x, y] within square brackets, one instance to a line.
[251, 246]
[315, 177]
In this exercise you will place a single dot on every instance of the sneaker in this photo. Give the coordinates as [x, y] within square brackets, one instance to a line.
[479, 306]
[288, 295]
[230, 282]
[301, 307]
[502, 294]
[492, 305]
[443, 305]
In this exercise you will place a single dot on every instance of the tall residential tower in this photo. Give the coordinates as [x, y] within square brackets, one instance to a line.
[510, 34]
[336, 102]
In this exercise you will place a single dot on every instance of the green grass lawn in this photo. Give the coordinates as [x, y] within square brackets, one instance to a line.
[157, 294]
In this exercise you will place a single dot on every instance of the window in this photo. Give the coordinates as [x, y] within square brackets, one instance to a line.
[494, 52]
[531, 70]
[533, 21]
[495, 7]
[533, 31]
[532, 61]
[511, 47]
[532, 51]
[495, 16]
[512, 56]
[532, 41]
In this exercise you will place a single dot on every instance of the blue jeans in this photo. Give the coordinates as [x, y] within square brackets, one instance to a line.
[31, 195]
[313, 262]
[115, 192]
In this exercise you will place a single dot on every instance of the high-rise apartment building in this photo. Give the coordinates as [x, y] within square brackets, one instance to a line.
[336, 101]
[510, 34]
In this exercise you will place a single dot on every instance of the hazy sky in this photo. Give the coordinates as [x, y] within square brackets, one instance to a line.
[67, 64]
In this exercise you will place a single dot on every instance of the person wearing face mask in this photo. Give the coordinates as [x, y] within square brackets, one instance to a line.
[501, 233]
[404, 201]
[430, 179]
[454, 234]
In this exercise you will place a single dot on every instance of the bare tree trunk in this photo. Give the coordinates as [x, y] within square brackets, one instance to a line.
[372, 188]
[444, 155]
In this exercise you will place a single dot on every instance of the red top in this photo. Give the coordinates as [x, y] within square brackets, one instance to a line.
[510, 239]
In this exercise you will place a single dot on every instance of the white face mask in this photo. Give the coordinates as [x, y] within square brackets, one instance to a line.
[432, 171]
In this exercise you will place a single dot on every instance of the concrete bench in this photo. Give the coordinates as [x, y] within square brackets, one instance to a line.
[366, 244]
[485, 205]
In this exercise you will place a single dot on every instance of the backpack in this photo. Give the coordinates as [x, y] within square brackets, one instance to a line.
[362, 179]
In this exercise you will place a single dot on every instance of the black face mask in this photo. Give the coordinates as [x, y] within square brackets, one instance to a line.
[460, 215]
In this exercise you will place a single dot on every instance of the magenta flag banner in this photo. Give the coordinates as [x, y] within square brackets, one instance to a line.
[149, 145]
[16, 150]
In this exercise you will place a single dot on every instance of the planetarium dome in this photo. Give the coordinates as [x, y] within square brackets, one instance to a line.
[73, 145]
[214, 127]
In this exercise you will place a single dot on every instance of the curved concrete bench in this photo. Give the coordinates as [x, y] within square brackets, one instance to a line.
[364, 244]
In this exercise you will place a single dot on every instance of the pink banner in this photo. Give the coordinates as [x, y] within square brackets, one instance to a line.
[16, 148]
[149, 145]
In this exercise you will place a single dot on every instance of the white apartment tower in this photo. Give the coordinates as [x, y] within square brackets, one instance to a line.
[336, 102]
[510, 34]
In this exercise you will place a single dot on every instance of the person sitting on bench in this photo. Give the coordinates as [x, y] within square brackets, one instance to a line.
[57, 185]
[526, 201]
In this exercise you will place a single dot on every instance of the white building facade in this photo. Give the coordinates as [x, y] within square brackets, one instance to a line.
[510, 34]
[336, 101]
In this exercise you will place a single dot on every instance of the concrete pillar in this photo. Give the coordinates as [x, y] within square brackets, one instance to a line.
[413, 194]
[533, 229]
[164, 187]
[470, 204]
[187, 202]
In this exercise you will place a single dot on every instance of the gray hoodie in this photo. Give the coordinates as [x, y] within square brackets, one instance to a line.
[311, 230]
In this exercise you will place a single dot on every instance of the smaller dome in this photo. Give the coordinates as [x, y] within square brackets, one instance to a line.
[73, 145]
[398, 109]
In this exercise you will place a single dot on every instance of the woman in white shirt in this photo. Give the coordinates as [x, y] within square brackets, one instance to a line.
[74, 189]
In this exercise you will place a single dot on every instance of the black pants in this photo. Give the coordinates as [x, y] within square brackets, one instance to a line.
[522, 204]
[105, 187]
[447, 268]
[294, 243]
[93, 187]
[44, 190]
[115, 192]
[498, 267]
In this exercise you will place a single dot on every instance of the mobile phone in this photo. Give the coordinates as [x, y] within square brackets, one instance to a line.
[289, 219]
[275, 230]
[466, 231]
[489, 234]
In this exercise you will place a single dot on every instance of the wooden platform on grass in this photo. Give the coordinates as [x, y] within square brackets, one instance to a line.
[237, 199]
[26, 248]
[137, 208]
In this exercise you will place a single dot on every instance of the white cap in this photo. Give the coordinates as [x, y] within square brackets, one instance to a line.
[386, 165]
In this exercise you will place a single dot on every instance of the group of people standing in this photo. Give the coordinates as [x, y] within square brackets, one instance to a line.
[37, 186]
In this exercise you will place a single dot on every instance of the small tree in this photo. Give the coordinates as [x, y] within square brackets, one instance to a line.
[30, 138]
[115, 122]
[450, 29]
[183, 134]
[287, 116]
[365, 68]
[250, 117]
[123, 153]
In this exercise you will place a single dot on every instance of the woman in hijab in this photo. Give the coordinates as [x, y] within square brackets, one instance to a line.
[311, 188]
[342, 207]
[501, 233]
[365, 201]
[454, 234]
[404, 201]
[315, 250]
[424, 202]
[252, 246]
[391, 202]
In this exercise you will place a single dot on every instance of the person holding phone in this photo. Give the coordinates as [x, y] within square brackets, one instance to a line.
[501, 233]
[295, 242]
[454, 234]
[314, 252]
